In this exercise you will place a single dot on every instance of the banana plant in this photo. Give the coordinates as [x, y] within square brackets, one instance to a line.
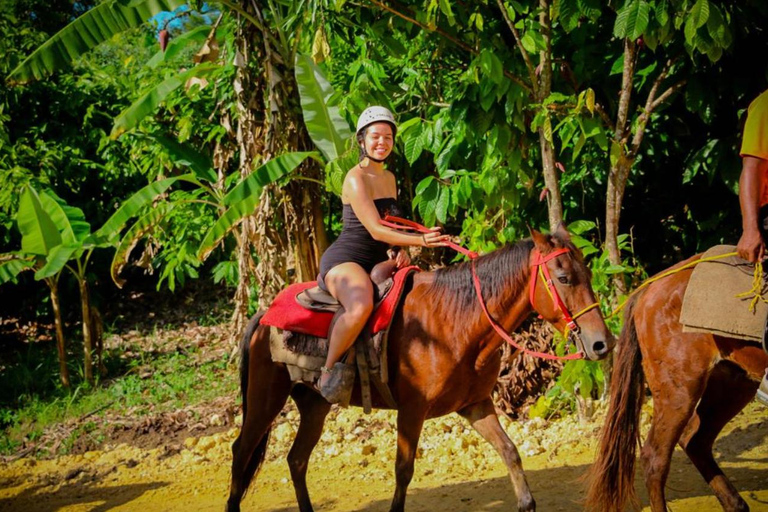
[328, 130]
[102, 23]
[45, 225]
[85, 33]
[56, 236]
[231, 206]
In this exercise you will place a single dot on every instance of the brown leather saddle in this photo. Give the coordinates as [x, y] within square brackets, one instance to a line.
[317, 299]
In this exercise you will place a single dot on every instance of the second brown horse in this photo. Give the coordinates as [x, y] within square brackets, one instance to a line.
[699, 382]
[444, 358]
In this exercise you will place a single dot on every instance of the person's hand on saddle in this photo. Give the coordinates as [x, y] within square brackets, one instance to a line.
[401, 257]
[751, 246]
[435, 238]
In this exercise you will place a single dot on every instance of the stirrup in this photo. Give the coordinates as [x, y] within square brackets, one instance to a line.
[338, 387]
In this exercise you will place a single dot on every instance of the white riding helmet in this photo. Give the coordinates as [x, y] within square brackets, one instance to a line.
[375, 115]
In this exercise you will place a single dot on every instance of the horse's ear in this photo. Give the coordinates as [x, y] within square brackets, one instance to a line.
[561, 233]
[541, 241]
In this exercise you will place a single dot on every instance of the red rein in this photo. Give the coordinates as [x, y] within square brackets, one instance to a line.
[538, 263]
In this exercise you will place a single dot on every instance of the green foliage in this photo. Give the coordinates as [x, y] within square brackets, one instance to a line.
[179, 44]
[467, 156]
[328, 130]
[92, 28]
[243, 198]
[38, 232]
[704, 24]
[151, 99]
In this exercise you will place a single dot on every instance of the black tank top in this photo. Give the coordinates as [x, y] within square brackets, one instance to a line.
[355, 243]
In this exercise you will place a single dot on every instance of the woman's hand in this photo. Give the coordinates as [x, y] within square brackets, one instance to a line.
[434, 238]
[401, 257]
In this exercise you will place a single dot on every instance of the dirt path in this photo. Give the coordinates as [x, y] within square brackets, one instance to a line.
[352, 469]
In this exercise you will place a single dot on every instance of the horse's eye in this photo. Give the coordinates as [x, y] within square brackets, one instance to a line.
[562, 279]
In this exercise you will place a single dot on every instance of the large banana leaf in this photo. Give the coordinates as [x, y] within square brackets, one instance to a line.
[242, 200]
[38, 231]
[328, 130]
[140, 228]
[133, 204]
[267, 173]
[86, 32]
[229, 220]
[57, 258]
[149, 101]
[183, 154]
[10, 268]
[177, 44]
[69, 220]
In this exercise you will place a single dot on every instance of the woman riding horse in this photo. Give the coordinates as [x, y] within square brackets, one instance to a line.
[368, 194]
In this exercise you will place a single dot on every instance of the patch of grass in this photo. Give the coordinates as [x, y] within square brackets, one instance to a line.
[143, 383]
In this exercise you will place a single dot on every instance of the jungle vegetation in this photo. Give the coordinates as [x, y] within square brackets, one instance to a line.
[209, 140]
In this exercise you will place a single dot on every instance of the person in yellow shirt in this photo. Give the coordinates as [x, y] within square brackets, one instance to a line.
[753, 196]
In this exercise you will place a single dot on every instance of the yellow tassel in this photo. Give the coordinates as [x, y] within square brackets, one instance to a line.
[757, 288]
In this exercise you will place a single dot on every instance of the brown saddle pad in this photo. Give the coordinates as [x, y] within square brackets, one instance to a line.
[711, 303]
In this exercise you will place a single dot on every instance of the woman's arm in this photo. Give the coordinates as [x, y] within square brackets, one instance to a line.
[365, 210]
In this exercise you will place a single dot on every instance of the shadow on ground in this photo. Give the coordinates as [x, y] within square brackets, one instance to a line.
[104, 498]
[557, 489]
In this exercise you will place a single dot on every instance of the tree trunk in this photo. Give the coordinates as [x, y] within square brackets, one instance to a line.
[85, 304]
[245, 270]
[620, 165]
[248, 85]
[60, 347]
[272, 248]
[617, 181]
[97, 335]
[321, 236]
[554, 200]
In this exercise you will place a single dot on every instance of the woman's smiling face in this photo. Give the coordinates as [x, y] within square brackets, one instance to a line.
[378, 140]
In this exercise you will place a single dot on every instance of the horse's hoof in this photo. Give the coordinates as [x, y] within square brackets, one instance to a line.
[527, 505]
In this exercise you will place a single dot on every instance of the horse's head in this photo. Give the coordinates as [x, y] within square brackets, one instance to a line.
[561, 292]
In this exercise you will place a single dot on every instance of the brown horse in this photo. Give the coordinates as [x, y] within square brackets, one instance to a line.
[444, 358]
[699, 382]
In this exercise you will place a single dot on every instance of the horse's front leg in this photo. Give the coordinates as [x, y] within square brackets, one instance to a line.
[482, 417]
[409, 425]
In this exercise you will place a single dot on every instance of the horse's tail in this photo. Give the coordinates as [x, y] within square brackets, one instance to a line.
[256, 459]
[611, 479]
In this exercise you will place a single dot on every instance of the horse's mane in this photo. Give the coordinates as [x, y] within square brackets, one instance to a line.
[505, 269]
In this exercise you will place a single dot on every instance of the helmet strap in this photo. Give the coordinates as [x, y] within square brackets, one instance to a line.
[364, 162]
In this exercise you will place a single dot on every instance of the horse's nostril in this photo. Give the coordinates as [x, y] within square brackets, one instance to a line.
[599, 347]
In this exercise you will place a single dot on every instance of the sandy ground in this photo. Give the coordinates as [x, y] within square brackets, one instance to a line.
[352, 469]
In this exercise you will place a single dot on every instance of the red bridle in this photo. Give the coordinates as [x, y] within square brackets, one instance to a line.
[538, 266]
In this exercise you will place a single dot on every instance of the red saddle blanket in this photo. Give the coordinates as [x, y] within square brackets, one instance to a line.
[287, 314]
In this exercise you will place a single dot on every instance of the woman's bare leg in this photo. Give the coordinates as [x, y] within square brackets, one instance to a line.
[352, 287]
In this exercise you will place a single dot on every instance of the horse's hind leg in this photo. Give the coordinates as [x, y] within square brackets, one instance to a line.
[728, 391]
[676, 384]
[313, 410]
[482, 417]
[267, 391]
